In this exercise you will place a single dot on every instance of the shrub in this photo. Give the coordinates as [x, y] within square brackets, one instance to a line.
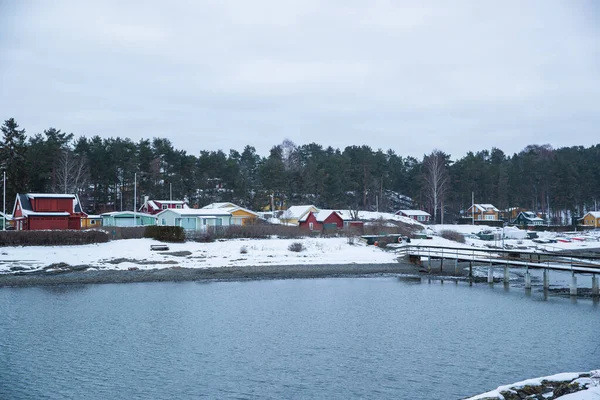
[52, 237]
[249, 231]
[165, 233]
[296, 247]
[124, 232]
[452, 235]
[243, 250]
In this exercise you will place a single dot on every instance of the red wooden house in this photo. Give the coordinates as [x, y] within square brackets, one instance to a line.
[324, 219]
[155, 206]
[37, 211]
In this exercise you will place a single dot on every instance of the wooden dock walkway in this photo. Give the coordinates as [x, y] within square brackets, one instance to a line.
[517, 258]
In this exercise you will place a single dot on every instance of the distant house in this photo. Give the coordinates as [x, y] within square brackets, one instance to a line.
[417, 215]
[528, 218]
[592, 218]
[321, 220]
[511, 213]
[91, 221]
[155, 206]
[37, 211]
[194, 219]
[483, 212]
[239, 215]
[5, 220]
[294, 214]
[127, 218]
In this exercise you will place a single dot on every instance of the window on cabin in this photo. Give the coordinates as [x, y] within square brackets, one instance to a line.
[92, 222]
[164, 206]
[163, 221]
[178, 205]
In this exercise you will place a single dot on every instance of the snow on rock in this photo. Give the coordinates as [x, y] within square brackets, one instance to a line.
[563, 386]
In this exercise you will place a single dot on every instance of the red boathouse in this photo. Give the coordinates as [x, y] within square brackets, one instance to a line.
[38, 211]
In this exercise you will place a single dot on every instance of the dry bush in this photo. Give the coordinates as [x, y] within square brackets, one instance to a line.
[296, 247]
[452, 235]
[243, 250]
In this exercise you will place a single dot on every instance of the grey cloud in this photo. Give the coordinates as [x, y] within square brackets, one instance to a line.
[211, 74]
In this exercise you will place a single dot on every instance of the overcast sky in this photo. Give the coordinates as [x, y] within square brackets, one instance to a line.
[410, 76]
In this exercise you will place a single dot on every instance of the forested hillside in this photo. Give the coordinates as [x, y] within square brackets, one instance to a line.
[102, 171]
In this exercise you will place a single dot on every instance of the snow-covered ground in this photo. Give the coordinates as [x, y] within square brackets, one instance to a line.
[591, 391]
[125, 254]
[515, 237]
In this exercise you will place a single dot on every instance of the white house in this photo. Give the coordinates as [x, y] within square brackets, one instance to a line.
[239, 215]
[195, 219]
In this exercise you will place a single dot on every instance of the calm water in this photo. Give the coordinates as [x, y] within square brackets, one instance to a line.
[328, 338]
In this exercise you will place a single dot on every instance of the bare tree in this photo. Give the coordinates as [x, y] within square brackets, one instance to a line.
[437, 181]
[72, 173]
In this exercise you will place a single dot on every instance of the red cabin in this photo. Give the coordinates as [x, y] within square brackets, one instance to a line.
[317, 221]
[155, 206]
[38, 211]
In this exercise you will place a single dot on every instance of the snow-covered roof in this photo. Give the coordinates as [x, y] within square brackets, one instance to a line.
[195, 212]
[414, 213]
[297, 212]
[486, 207]
[595, 214]
[128, 214]
[8, 217]
[220, 205]
[50, 196]
[238, 208]
[321, 215]
[531, 216]
[94, 216]
[152, 203]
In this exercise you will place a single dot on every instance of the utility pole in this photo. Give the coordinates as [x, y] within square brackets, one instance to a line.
[134, 198]
[4, 202]
[472, 208]
[170, 191]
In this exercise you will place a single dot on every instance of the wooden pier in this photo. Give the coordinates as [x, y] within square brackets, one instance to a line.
[547, 261]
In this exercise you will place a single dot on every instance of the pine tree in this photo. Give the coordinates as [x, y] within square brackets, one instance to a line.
[13, 152]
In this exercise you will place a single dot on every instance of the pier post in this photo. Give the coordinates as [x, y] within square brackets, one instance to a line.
[490, 274]
[456, 266]
[429, 262]
[470, 269]
[527, 280]
[573, 288]
[506, 274]
[546, 280]
[442, 264]
[595, 291]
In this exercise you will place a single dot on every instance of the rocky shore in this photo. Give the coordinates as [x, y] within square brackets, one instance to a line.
[66, 275]
[561, 386]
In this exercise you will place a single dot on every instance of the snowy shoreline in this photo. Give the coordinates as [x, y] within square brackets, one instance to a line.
[564, 386]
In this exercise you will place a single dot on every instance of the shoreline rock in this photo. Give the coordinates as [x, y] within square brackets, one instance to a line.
[547, 388]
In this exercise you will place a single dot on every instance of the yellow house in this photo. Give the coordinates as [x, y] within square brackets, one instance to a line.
[91, 221]
[483, 212]
[591, 219]
[294, 214]
[239, 215]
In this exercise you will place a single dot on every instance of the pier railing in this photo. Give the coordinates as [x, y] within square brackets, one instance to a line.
[495, 256]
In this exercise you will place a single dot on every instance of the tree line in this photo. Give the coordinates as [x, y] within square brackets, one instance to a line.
[103, 172]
